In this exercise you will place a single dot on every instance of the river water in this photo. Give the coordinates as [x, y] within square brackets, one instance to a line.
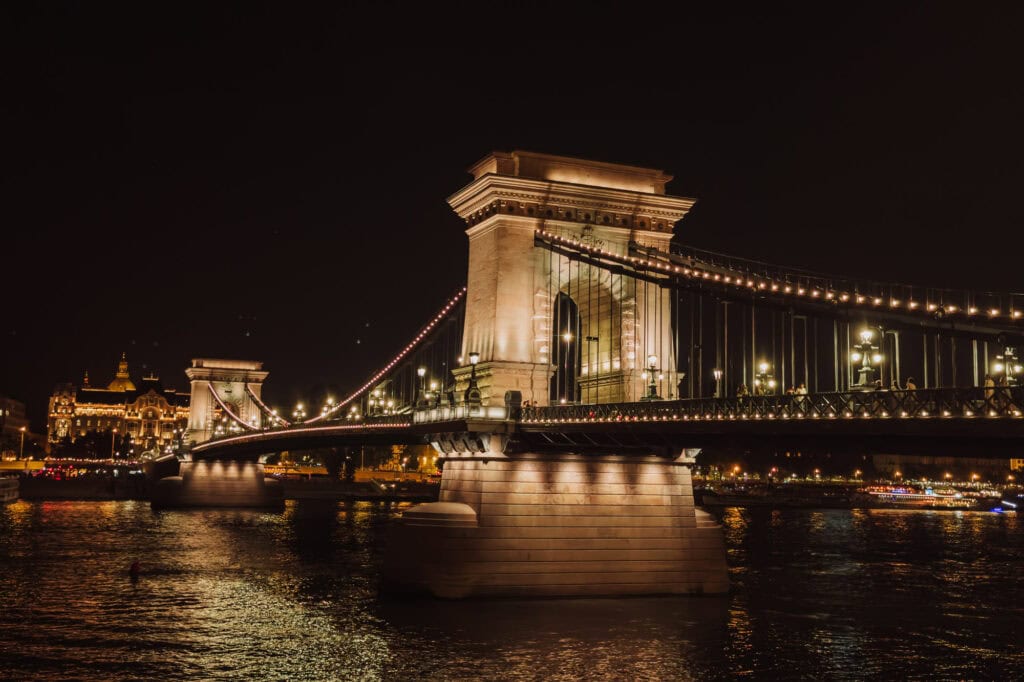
[244, 595]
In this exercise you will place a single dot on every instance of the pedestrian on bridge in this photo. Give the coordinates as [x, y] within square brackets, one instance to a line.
[990, 388]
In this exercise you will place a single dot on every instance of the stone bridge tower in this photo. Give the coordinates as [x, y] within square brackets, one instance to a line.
[512, 300]
[229, 379]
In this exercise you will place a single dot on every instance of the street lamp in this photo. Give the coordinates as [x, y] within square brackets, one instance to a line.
[472, 394]
[866, 352]
[764, 382]
[652, 374]
[299, 413]
[21, 448]
[717, 373]
[1009, 366]
[113, 435]
[422, 373]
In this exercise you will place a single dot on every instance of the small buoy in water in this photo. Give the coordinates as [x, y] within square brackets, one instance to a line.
[133, 571]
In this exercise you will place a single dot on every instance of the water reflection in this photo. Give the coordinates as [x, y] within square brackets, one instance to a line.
[836, 594]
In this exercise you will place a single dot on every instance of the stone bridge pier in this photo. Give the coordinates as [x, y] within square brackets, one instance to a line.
[530, 524]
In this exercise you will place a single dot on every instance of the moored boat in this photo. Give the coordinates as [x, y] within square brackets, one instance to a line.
[901, 497]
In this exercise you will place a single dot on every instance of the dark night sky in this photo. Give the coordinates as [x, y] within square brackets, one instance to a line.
[268, 184]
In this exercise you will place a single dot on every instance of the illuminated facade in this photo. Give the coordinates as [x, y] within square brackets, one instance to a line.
[142, 418]
[219, 384]
[530, 316]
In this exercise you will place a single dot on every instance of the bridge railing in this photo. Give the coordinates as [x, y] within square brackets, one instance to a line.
[362, 422]
[964, 403]
[443, 413]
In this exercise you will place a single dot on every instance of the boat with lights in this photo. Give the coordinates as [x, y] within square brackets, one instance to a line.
[903, 497]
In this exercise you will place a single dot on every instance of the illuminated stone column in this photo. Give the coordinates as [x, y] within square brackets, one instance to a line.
[512, 285]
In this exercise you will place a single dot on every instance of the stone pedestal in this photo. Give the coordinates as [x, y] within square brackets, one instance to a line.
[218, 484]
[559, 525]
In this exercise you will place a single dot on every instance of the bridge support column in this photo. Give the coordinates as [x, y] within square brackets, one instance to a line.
[559, 525]
[218, 484]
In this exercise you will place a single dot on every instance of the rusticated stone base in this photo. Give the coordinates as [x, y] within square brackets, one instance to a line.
[218, 484]
[549, 525]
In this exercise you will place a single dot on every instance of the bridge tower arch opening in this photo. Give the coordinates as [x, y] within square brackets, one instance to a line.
[566, 340]
[513, 286]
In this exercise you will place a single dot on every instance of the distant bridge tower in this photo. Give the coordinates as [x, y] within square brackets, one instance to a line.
[229, 379]
[517, 294]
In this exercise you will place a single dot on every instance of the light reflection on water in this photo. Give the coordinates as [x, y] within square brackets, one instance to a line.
[246, 595]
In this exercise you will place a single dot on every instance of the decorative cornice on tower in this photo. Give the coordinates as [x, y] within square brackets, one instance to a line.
[556, 193]
[571, 170]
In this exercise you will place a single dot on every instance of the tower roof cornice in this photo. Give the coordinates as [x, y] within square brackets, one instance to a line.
[493, 194]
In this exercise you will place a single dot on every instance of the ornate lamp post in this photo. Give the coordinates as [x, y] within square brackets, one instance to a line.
[421, 401]
[21, 448]
[717, 373]
[1009, 366]
[653, 375]
[764, 382]
[113, 435]
[472, 394]
[866, 352]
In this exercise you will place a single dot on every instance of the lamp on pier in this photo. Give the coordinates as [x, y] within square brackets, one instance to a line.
[421, 401]
[866, 353]
[717, 373]
[652, 374]
[472, 394]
